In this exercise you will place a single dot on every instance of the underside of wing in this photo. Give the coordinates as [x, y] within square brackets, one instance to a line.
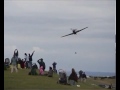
[81, 29]
[67, 34]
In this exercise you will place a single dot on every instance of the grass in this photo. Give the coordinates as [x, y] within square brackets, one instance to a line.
[21, 80]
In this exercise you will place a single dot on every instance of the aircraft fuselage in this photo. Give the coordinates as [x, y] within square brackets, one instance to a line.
[74, 32]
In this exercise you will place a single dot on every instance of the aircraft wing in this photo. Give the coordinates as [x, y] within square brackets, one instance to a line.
[81, 29]
[67, 34]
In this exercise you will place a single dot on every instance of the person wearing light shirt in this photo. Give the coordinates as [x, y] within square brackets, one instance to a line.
[13, 64]
[27, 61]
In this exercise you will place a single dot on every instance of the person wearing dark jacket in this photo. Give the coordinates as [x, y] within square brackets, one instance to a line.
[16, 53]
[84, 77]
[30, 60]
[73, 78]
[80, 75]
[54, 67]
[41, 63]
[63, 79]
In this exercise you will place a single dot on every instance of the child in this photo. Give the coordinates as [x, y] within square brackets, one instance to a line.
[41, 72]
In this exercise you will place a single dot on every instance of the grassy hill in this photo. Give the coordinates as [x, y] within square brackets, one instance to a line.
[22, 80]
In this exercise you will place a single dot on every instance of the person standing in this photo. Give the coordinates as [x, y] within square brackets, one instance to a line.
[30, 59]
[41, 63]
[22, 64]
[54, 67]
[13, 64]
[27, 60]
[16, 55]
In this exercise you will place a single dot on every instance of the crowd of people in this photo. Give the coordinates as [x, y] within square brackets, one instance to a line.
[73, 78]
[17, 63]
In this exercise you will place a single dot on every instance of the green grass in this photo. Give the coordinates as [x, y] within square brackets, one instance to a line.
[22, 80]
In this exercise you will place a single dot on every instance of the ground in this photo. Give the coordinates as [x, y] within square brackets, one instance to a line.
[22, 80]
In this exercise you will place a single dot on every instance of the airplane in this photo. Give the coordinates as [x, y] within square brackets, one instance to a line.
[75, 31]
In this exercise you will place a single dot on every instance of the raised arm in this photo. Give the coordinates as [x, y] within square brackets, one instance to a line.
[38, 61]
[32, 53]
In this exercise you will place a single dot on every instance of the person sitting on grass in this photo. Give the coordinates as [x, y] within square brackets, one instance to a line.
[80, 75]
[49, 73]
[84, 77]
[33, 70]
[63, 79]
[73, 78]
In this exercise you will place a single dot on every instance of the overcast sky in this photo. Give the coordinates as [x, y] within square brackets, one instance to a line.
[39, 24]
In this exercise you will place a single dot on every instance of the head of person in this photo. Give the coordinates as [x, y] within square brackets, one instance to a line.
[26, 54]
[73, 70]
[15, 49]
[41, 60]
[50, 68]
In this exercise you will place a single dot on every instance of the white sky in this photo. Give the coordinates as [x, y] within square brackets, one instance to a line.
[39, 24]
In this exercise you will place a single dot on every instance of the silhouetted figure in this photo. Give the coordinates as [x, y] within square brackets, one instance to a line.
[30, 60]
[54, 67]
[33, 70]
[36, 66]
[41, 63]
[80, 75]
[84, 77]
[73, 78]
